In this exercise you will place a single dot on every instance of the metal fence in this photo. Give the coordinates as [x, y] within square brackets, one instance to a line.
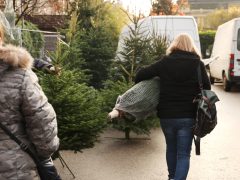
[51, 39]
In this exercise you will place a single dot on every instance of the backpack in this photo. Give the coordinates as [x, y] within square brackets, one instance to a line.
[206, 116]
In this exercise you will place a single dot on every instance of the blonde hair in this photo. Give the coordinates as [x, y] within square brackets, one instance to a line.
[183, 42]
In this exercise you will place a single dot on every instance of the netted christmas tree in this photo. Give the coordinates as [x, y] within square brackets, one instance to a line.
[138, 50]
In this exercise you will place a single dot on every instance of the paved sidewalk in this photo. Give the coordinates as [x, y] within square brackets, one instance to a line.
[144, 159]
[139, 159]
[114, 158]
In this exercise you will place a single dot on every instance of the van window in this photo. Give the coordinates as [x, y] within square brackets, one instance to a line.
[238, 40]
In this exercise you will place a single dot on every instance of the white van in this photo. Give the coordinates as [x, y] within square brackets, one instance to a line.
[226, 49]
[168, 26]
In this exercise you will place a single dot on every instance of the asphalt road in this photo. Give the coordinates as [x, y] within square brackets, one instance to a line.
[143, 158]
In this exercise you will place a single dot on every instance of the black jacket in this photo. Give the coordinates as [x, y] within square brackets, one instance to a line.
[179, 83]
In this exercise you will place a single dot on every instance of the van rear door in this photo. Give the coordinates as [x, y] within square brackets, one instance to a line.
[237, 51]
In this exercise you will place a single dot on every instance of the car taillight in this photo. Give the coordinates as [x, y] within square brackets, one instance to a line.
[231, 64]
[231, 57]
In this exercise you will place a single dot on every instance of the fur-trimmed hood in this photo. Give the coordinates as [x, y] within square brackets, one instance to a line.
[14, 56]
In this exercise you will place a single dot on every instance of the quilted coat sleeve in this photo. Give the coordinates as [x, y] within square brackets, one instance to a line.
[39, 116]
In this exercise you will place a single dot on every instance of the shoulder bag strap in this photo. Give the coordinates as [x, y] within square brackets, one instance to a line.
[200, 77]
[197, 140]
[23, 146]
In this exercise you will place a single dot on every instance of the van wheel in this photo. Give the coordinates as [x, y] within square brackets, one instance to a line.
[226, 84]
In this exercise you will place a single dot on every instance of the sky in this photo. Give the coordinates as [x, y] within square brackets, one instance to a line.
[136, 6]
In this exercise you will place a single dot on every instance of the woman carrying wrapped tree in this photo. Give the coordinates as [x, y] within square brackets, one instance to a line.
[178, 87]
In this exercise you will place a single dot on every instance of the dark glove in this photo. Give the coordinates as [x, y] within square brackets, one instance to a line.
[47, 170]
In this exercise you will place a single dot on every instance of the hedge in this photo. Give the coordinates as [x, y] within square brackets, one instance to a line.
[206, 40]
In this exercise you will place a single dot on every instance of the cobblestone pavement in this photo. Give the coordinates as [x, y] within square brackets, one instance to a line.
[143, 158]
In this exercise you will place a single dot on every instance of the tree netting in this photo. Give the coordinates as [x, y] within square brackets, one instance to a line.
[5, 24]
[141, 100]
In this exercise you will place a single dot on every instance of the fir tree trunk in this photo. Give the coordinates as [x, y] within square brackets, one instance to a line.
[127, 133]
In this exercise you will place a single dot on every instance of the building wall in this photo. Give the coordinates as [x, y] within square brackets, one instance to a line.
[211, 4]
[51, 7]
[201, 8]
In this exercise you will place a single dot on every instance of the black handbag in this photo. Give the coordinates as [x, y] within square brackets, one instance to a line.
[46, 168]
[206, 117]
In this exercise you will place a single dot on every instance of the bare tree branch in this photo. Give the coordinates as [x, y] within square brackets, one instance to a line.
[27, 7]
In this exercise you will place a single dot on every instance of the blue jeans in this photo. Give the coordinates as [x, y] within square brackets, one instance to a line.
[178, 134]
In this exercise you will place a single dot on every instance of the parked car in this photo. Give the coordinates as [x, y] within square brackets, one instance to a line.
[167, 26]
[226, 49]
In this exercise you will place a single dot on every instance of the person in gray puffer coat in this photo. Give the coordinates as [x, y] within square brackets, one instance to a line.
[25, 111]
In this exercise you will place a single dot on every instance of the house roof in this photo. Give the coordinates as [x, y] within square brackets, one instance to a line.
[48, 22]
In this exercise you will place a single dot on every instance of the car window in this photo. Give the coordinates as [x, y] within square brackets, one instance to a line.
[238, 40]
